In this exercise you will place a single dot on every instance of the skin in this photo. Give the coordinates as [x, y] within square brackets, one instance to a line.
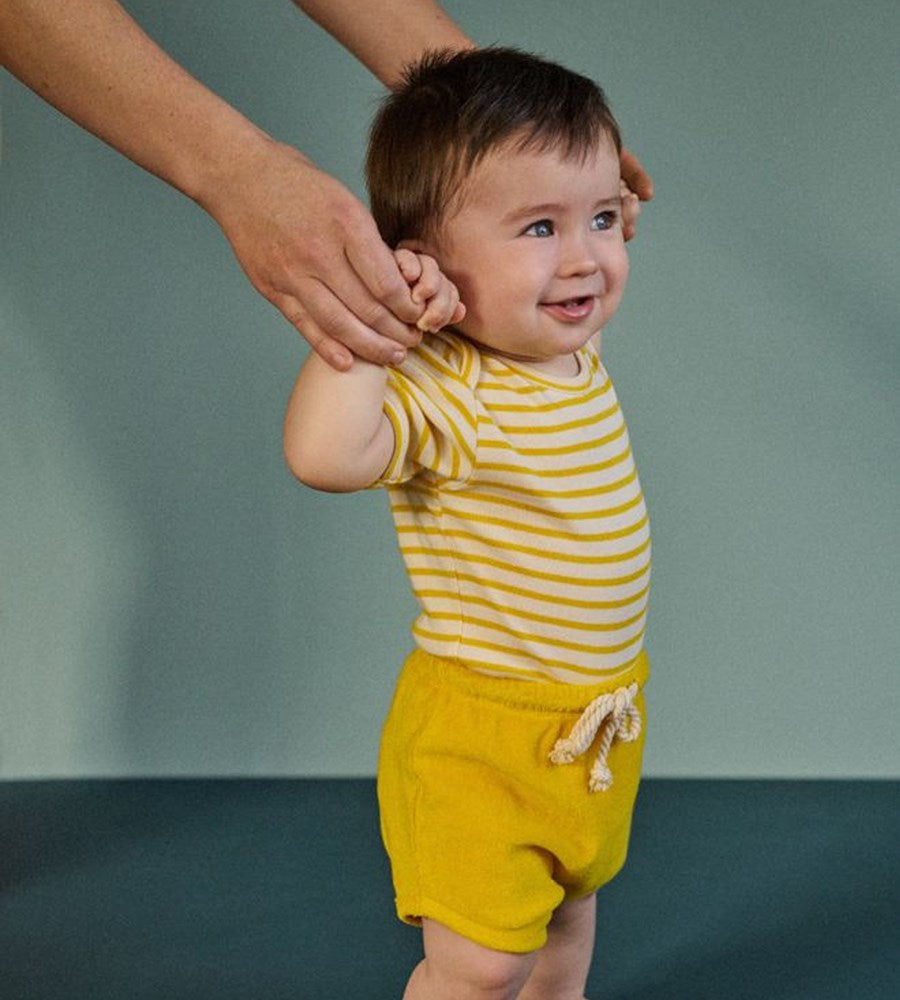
[304, 241]
[455, 967]
[537, 252]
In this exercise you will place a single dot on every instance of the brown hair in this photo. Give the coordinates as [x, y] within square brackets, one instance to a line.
[453, 108]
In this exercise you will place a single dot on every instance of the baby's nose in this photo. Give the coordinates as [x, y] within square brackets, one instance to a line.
[577, 258]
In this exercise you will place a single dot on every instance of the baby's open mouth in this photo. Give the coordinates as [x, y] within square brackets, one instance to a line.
[576, 301]
[571, 309]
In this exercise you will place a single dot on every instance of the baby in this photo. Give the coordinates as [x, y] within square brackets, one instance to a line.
[511, 757]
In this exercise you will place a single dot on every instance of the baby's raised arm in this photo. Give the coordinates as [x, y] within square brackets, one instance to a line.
[336, 434]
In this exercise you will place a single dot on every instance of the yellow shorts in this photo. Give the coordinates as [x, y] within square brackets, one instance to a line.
[485, 834]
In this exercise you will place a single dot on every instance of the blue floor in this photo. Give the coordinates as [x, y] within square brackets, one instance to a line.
[238, 890]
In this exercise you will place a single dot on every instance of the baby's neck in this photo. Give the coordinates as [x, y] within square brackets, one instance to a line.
[561, 366]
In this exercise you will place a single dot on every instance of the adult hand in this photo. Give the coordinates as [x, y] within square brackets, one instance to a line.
[636, 187]
[313, 250]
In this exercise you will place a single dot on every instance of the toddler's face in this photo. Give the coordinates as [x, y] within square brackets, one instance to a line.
[537, 252]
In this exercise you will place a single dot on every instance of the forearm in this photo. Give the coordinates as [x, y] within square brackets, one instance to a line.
[386, 35]
[90, 60]
[336, 435]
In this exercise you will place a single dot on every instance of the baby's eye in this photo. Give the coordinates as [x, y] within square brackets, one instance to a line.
[605, 220]
[543, 227]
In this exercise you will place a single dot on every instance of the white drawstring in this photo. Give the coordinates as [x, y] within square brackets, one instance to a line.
[614, 716]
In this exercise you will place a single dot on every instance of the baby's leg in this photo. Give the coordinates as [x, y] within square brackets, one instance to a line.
[561, 970]
[455, 967]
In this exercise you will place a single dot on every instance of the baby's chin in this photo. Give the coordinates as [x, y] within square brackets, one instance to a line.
[556, 347]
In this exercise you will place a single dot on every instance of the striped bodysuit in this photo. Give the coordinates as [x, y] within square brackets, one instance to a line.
[519, 514]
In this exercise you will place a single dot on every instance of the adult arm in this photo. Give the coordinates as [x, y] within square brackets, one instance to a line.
[388, 34]
[306, 243]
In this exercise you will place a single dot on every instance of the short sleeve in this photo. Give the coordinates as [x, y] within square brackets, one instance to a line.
[430, 402]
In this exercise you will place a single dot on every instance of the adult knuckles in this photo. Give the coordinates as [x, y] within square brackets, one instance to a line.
[377, 316]
[388, 289]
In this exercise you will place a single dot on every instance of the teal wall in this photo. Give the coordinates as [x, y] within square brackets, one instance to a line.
[173, 603]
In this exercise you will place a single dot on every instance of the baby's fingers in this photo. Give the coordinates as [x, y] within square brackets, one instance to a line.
[410, 266]
[443, 308]
[429, 281]
[430, 288]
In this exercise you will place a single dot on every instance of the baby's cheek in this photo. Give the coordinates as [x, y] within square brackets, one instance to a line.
[616, 280]
[619, 270]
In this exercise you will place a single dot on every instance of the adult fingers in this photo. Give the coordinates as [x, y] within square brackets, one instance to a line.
[339, 301]
[377, 270]
[312, 248]
[631, 210]
[634, 175]
[336, 334]
[329, 349]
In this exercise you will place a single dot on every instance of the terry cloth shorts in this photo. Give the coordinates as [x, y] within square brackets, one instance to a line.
[485, 833]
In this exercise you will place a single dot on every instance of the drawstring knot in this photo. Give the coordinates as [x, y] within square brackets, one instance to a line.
[613, 716]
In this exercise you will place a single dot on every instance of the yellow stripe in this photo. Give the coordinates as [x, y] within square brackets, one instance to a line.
[514, 651]
[531, 508]
[532, 595]
[584, 491]
[399, 445]
[569, 425]
[518, 570]
[530, 529]
[427, 489]
[425, 438]
[459, 406]
[598, 674]
[578, 400]
[510, 378]
[439, 362]
[573, 515]
[577, 470]
[507, 368]
[534, 616]
[468, 358]
[584, 445]
[491, 626]
[486, 385]
[527, 549]
[519, 672]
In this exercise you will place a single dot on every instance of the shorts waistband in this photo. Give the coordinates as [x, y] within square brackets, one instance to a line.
[548, 696]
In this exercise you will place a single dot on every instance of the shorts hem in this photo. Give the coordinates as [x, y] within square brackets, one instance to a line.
[519, 941]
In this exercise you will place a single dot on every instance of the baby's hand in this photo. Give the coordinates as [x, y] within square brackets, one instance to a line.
[431, 287]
